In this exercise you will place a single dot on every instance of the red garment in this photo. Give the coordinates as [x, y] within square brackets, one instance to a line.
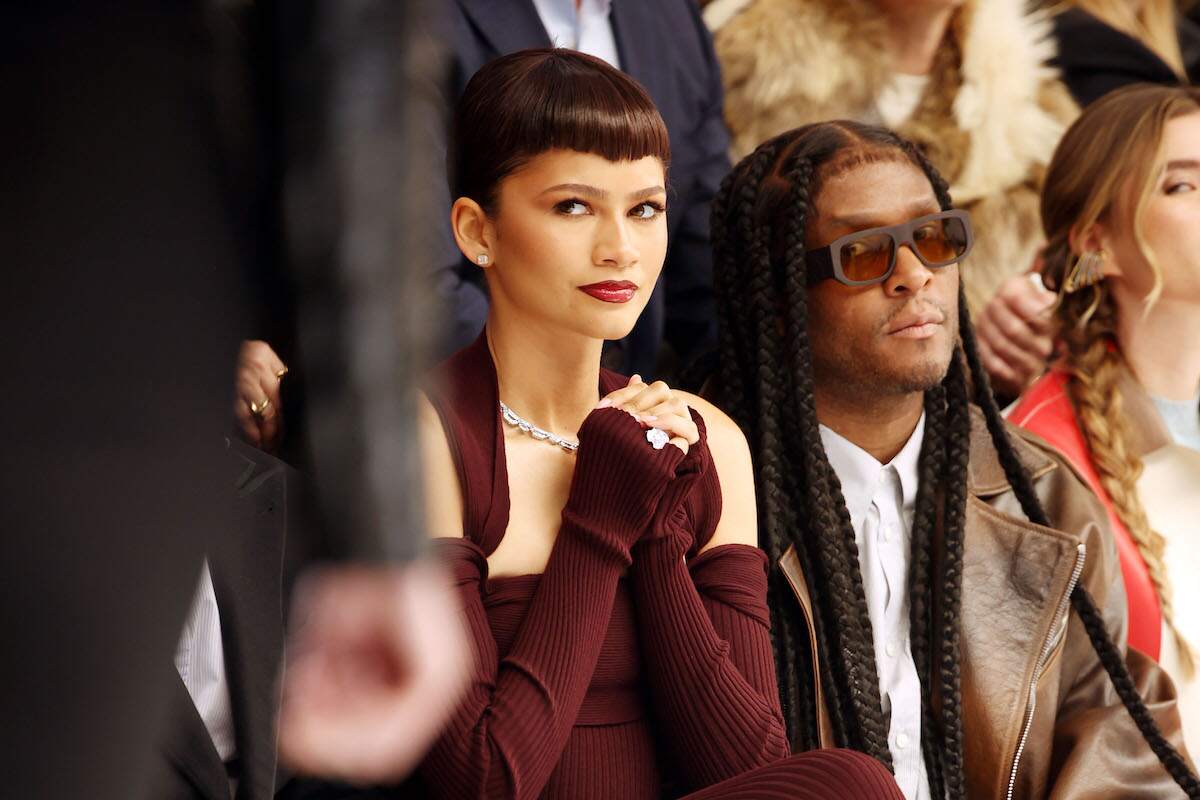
[623, 671]
[1046, 409]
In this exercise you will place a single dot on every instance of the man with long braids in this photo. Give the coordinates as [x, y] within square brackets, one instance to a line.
[946, 596]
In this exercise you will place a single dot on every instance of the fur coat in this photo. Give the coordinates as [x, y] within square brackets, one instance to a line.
[989, 118]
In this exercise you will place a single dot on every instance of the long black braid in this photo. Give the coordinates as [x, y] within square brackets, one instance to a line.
[857, 715]
[763, 378]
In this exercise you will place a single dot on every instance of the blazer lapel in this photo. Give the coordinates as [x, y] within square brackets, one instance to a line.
[247, 578]
[190, 749]
[507, 26]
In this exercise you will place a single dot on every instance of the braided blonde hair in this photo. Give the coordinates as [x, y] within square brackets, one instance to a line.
[1096, 365]
[1113, 151]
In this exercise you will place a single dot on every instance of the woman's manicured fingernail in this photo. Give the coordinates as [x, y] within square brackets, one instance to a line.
[648, 417]
[605, 403]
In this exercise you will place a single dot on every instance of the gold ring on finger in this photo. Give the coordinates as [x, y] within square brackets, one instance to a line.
[258, 409]
[279, 373]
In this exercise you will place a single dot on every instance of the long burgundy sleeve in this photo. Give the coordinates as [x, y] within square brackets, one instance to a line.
[706, 638]
[508, 733]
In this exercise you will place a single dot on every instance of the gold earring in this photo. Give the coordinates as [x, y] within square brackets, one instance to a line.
[1087, 271]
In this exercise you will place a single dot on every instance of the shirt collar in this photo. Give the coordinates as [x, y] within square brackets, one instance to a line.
[907, 463]
[561, 15]
[858, 471]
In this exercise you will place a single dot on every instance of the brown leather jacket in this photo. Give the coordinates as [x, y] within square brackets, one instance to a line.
[1040, 716]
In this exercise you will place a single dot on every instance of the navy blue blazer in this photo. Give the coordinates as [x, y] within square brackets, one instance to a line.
[665, 46]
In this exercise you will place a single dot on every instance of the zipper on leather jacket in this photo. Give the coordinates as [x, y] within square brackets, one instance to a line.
[1043, 657]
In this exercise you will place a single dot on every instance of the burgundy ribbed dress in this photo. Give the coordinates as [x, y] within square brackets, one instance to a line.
[632, 668]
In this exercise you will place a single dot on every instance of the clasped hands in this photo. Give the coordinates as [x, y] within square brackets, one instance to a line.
[655, 405]
[644, 489]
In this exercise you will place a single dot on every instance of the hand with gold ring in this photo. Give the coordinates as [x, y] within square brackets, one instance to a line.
[256, 406]
[259, 409]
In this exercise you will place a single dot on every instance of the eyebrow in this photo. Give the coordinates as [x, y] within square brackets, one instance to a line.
[602, 194]
[1187, 163]
[863, 221]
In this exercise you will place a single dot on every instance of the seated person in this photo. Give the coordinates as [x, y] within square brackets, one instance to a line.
[684, 81]
[967, 82]
[601, 530]
[1121, 210]
[946, 593]
[1102, 46]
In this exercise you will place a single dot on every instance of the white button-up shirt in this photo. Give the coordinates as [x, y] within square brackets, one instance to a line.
[585, 27]
[881, 499]
[200, 659]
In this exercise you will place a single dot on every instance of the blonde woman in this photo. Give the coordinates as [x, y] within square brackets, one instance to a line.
[1106, 44]
[1102, 45]
[1121, 213]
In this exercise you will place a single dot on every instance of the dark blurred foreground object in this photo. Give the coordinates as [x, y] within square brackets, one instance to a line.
[122, 297]
[139, 215]
[377, 657]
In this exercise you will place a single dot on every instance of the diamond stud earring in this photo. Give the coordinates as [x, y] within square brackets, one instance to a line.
[482, 259]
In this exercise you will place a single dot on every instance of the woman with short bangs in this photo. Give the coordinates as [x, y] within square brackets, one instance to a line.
[601, 530]
[1121, 211]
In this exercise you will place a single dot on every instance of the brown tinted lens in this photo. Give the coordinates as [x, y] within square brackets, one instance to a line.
[940, 241]
[867, 257]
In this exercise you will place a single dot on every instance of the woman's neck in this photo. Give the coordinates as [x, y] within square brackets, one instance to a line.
[547, 376]
[1159, 346]
[914, 39]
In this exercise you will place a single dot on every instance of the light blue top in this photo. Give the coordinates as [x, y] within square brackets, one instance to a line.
[1182, 418]
[586, 28]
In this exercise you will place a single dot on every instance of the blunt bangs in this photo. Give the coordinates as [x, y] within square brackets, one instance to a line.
[529, 102]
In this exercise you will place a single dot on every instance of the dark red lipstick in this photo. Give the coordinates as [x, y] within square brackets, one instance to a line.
[611, 291]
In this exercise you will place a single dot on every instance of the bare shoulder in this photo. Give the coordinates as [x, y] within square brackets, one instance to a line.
[443, 495]
[731, 457]
[725, 438]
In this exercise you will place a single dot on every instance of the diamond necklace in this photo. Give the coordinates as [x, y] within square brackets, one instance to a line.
[512, 419]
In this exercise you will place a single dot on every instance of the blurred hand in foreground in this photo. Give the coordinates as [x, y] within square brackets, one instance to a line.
[378, 662]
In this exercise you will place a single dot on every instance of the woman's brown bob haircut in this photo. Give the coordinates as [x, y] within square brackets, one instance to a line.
[531, 101]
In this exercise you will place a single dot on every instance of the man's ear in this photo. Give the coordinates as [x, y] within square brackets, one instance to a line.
[473, 231]
[1097, 237]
